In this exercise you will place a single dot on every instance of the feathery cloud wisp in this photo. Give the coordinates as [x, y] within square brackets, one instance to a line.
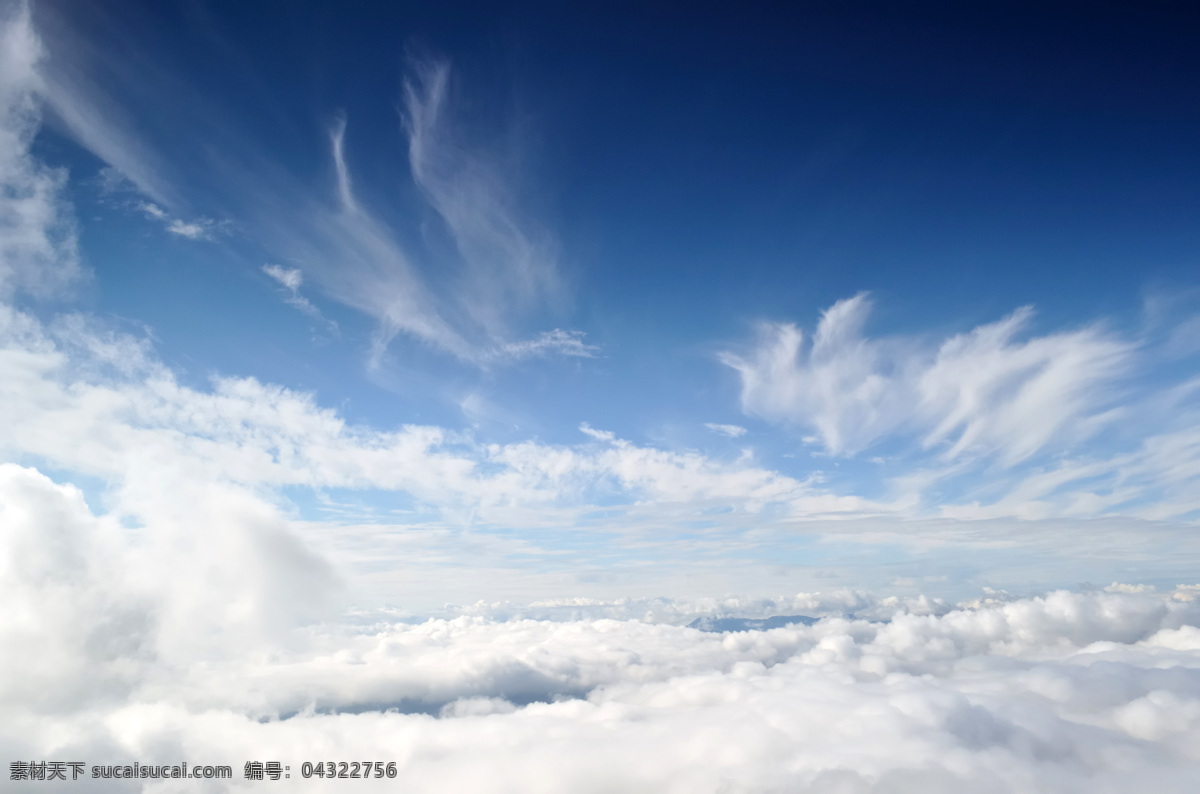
[732, 431]
[38, 248]
[982, 393]
[290, 279]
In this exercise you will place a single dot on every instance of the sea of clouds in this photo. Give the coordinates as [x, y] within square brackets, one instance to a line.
[111, 659]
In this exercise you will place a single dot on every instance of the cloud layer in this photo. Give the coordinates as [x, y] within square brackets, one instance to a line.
[1067, 692]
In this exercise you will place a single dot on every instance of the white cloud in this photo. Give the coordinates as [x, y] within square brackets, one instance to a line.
[74, 401]
[38, 252]
[476, 306]
[358, 260]
[192, 231]
[337, 137]
[990, 423]
[988, 392]
[510, 264]
[200, 229]
[845, 387]
[558, 341]
[980, 393]
[74, 80]
[153, 211]
[189, 646]
[290, 280]
[599, 435]
[733, 431]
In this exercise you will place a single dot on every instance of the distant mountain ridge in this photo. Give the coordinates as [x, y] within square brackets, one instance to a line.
[720, 625]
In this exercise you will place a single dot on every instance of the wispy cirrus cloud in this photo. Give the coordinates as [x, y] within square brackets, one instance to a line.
[997, 421]
[506, 269]
[510, 262]
[199, 229]
[38, 246]
[482, 305]
[732, 431]
[75, 76]
[547, 343]
[471, 308]
[993, 391]
[289, 280]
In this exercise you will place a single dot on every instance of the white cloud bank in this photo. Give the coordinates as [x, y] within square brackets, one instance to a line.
[128, 655]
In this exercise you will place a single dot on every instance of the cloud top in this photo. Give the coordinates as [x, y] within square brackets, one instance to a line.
[1096, 690]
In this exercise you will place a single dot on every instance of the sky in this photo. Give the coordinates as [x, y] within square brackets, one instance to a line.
[410, 377]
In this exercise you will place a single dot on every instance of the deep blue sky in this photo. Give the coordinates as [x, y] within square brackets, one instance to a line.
[746, 162]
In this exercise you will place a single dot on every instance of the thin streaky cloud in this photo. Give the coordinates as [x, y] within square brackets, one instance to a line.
[511, 264]
[507, 271]
[200, 229]
[337, 137]
[72, 85]
[290, 280]
[993, 391]
[192, 231]
[732, 431]
[38, 243]
[555, 342]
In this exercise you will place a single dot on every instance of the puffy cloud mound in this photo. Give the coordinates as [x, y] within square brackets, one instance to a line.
[119, 662]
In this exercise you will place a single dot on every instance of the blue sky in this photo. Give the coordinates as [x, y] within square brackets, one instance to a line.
[621, 300]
